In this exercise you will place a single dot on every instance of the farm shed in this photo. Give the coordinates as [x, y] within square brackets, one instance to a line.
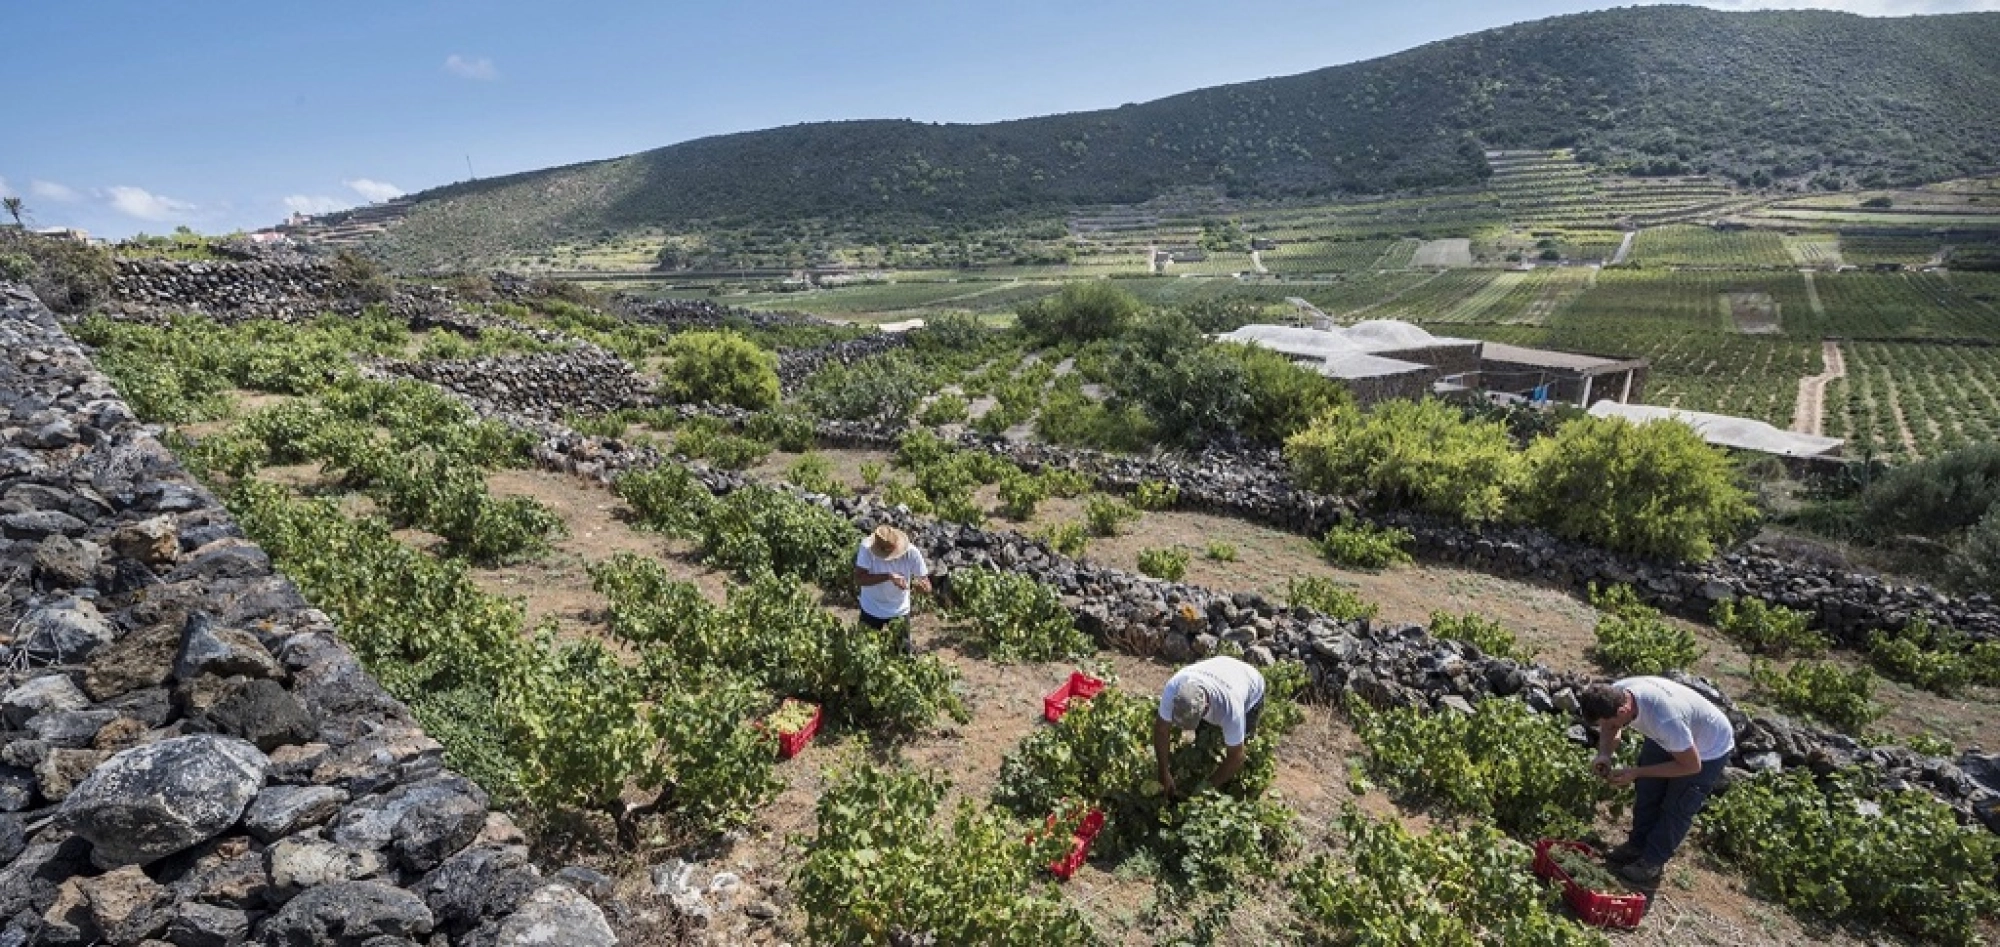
[1570, 377]
[1725, 431]
[1350, 357]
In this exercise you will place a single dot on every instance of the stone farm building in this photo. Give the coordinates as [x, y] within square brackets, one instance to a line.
[1385, 358]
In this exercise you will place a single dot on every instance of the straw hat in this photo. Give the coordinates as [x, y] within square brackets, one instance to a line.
[888, 542]
[1190, 703]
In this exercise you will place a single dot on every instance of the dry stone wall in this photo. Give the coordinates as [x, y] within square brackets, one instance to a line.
[188, 754]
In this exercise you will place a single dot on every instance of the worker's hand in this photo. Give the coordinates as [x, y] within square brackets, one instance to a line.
[1602, 764]
[1623, 776]
[1167, 787]
[898, 581]
[923, 584]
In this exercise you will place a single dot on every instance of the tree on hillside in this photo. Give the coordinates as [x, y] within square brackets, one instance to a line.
[721, 367]
[1653, 489]
[1081, 312]
[14, 208]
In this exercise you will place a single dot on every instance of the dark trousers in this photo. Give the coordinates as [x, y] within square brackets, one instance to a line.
[1664, 809]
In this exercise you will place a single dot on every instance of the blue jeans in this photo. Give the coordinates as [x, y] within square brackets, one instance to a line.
[1664, 809]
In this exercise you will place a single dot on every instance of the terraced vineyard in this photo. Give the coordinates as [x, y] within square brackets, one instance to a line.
[1903, 305]
[1687, 245]
[1916, 400]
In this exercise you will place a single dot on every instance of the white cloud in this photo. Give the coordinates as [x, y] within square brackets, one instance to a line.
[140, 203]
[374, 191]
[313, 204]
[53, 191]
[467, 67]
[1863, 7]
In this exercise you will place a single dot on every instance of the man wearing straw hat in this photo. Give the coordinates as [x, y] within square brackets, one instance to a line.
[887, 567]
[1221, 691]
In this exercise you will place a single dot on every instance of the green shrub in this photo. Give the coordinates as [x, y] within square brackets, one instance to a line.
[1926, 655]
[1648, 489]
[947, 408]
[1081, 312]
[1069, 539]
[68, 275]
[1014, 617]
[813, 473]
[951, 332]
[709, 439]
[1423, 454]
[1069, 418]
[1365, 546]
[1505, 761]
[576, 723]
[1019, 495]
[1489, 636]
[1106, 515]
[1822, 691]
[1221, 551]
[1767, 629]
[1810, 842]
[871, 473]
[1974, 563]
[1395, 888]
[1156, 495]
[1632, 638]
[1936, 497]
[1168, 564]
[1329, 598]
[790, 430]
[881, 866]
[884, 389]
[1284, 397]
[721, 368]
[666, 498]
[757, 529]
[1067, 483]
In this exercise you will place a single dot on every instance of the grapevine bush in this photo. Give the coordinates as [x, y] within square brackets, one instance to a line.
[1822, 691]
[1489, 636]
[1365, 546]
[1837, 847]
[1767, 629]
[1425, 454]
[1107, 515]
[1393, 888]
[758, 529]
[1014, 617]
[1632, 638]
[666, 498]
[1168, 564]
[1329, 598]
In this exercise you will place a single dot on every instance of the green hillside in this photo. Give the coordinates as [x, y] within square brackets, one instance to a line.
[1803, 98]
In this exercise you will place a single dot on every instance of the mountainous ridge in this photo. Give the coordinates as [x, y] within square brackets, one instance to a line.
[1795, 96]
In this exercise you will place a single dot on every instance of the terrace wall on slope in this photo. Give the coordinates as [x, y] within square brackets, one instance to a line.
[188, 754]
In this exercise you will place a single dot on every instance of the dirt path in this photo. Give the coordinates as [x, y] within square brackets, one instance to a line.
[1624, 247]
[1809, 416]
[1812, 296]
[1903, 432]
[1257, 261]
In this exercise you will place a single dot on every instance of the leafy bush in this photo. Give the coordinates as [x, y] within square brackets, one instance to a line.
[575, 723]
[883, 389]
[1394, 888]
[709, 439]
[1648, 489]
[1936, 497]
[1071, 418]
[1425, 454]
[1632, 638]
[1191, 398]
[871, 473]
[813, 473]
[951, 332]
[1505, 762]
[666, 498]
[717, 767]
[1106, 515]
[1221, 551]
[1168, 564]
[1328, 597]
[1284, 397]
[1019, 495]
[1156, 495]
[881, 868]
[1974, 564]
[68, 275]
[1081, 312]
[790, 430]
[1767, 629]
[1069, 539]
[947, 408]
[1489, 636]
[1927, 655]
[1365, 546]
[1822, 691]
[1014, 617]
[721, 368]
[1822, 844]
[758, 529]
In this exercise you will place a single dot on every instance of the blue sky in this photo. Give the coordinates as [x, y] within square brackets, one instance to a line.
[126, 116]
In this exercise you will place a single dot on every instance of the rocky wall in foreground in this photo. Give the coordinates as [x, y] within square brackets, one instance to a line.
[188, 754]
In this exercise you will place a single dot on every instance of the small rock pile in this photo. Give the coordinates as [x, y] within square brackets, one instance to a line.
[188, 755]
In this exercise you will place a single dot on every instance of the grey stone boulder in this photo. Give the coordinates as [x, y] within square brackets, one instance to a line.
[154, 800]
[226, 561]
[207, 925]
[260, 711]
[477, 884]
[141, 659]
[64, 632]
[556, 916]
[125, 905]
[302, 862]
[208, 647]
[39, 523]
[279, 811]
[13, 839]
[65, 563]
[40, 695]
[347, 914]
[422, 823]
[72, 729]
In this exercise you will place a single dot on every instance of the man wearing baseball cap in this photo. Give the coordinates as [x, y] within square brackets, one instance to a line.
[1221, 691]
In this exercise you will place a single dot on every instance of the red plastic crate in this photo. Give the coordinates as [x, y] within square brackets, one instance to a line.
[789, 744]
[1080, 686]
[1079, 851]
[1597, 908]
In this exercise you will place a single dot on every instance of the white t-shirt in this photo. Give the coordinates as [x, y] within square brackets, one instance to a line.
[1677, 717]
[1233, 687]
[884, 599]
